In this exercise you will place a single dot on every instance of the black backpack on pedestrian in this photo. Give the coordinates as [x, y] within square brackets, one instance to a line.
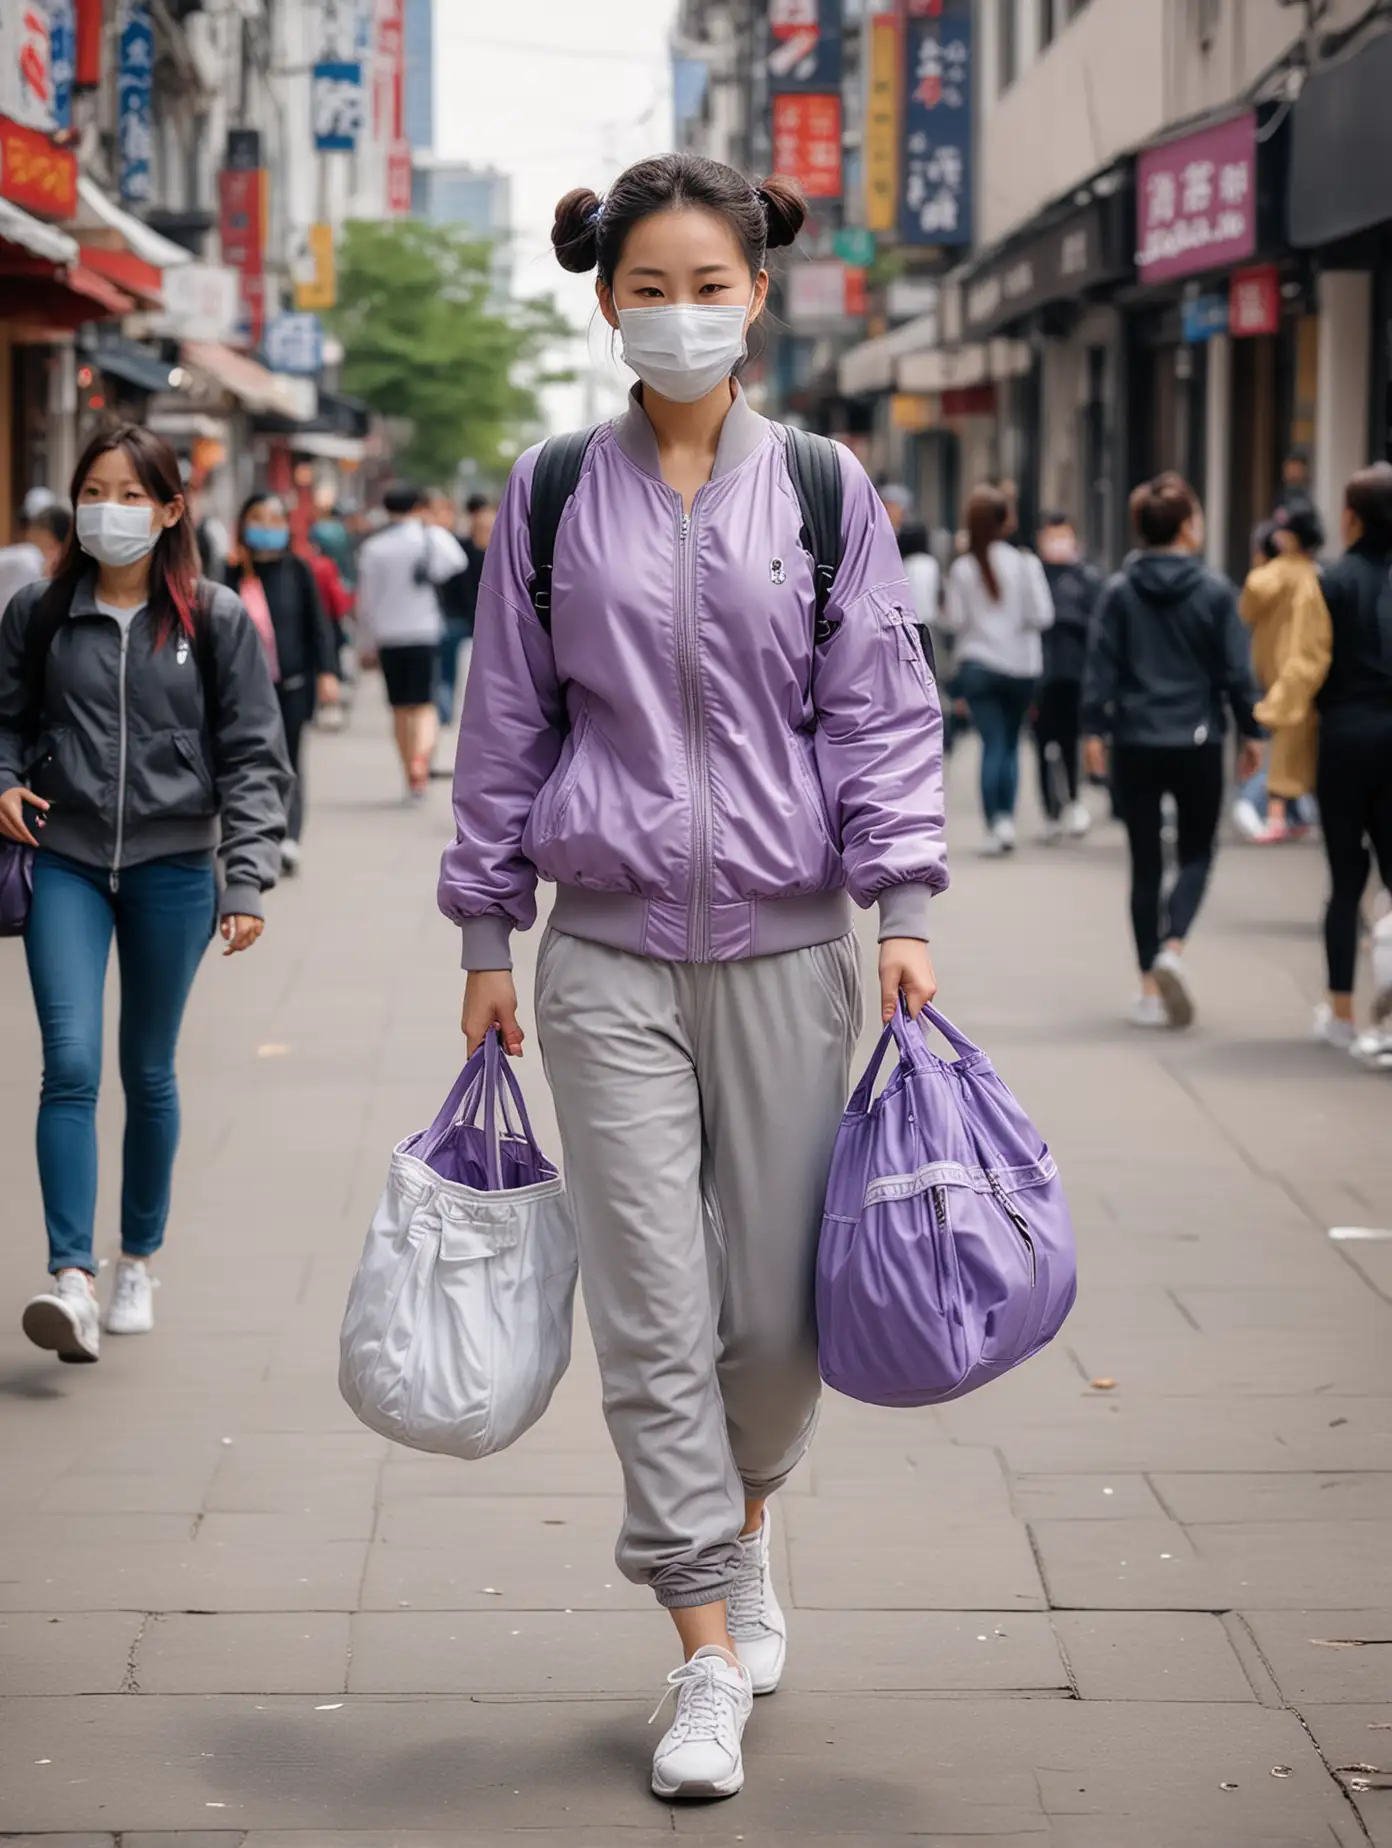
[812, 462]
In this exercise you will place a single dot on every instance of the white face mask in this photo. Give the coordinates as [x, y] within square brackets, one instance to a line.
[115, 535]
[681, 349]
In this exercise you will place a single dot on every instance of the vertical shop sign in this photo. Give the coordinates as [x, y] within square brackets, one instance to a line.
[242, 224]
[884, 90]
[807, 143]
[62, 53]
[26, 78]
[1254, 301]
[338, 105]
[936, 203]
[134, 87]
[804, 45]
[312, 267]
[87, 44]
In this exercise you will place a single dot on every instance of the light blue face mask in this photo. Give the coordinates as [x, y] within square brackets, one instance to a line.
[267, 538]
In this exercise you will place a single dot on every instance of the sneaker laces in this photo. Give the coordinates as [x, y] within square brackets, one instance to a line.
[705, 1706]
[745, 1603]
[129, 1278]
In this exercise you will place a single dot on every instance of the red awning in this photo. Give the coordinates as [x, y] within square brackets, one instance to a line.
[127, 271]
[55, 294]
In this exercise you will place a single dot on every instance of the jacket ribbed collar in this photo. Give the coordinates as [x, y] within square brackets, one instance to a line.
[742, 432]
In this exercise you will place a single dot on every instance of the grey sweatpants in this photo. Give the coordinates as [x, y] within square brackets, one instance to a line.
[698, 1105]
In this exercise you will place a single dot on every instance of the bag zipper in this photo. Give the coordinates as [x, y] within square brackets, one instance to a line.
[1017, 1219]
[123, 732]
[694, 706]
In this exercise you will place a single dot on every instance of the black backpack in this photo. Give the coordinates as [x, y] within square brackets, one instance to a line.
[812, 462]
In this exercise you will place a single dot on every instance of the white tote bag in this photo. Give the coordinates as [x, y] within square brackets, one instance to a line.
[458, 1322]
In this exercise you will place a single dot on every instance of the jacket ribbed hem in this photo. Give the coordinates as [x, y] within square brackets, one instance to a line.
[89, 839]
[653, 927]
[487, 943]
[904, 912]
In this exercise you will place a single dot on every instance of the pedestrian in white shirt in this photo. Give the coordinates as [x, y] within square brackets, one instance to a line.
[400, 621]
[45, 533]
[998, 606]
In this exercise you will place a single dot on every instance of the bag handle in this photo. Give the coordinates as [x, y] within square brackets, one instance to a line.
[477, 1095]
[908, 1037]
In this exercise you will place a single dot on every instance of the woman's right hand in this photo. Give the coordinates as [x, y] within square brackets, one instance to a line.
[490, 1000]
[1095, 757]
[13, 825]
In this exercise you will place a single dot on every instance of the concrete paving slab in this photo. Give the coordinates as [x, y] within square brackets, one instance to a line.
[299, 1652]
[171, 1575]
[1351, 1736]
[514, 1472]
[907, 1558]
[1327, 1495]
[45, 1653]
[1326, 1656]
[126, 1492]
[1151, 1655]
[1106, 1496]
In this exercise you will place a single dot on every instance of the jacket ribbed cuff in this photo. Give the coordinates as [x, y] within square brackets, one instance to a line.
[487, 943]
[904, 912]
[242, 901]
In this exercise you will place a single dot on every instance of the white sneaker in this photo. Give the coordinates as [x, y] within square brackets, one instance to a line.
[1004, 830]
[64, 1319]
[1247, 819]
[1077, 820]
[289, 858]
[132, 1307]
[700, 1752]
[1175, 996]
[758, 1627]
[1373, 1050]
[1148, 1011]
[993, 847]
[1382, 968]
[1340, 1034]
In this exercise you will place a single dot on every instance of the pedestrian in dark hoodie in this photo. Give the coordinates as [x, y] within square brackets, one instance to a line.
[1168, 658]
[1075, 587]
[1355, 754]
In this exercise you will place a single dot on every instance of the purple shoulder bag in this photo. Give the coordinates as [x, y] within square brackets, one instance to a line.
[16, 887]
[946, 1255]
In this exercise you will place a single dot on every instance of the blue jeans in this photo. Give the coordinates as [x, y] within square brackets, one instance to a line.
[457, 634]
[163, 918]
[999, 704]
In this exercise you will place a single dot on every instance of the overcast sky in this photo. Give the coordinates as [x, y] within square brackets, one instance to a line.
[557, 95]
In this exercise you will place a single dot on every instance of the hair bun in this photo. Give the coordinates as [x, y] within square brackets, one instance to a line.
[575, 234]
[785, 208]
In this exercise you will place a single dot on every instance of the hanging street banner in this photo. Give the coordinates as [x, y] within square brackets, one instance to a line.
[884, 91]
[807, 143]
[135, 78]
[339, 106]
[295, 343]
[62, 54]
[313, 271]
[936, 201]
[804, 45]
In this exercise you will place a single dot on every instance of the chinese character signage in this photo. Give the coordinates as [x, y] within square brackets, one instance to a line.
[312, 268]
[400, 176]
[1196, 202]
[804, 45]
[883, 95]
[1254, 301]
[338, 106]
[807, 143]
[62, 51]
[134, 86]
[1203, 317]
[36, 175]
[295, 343]
[242, 230]
[936, 197]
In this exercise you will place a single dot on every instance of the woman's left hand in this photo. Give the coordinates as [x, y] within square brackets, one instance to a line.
[240, 933]
[905, 967]
[328, 690]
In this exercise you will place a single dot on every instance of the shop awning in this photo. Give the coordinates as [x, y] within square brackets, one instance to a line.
[134, 364]
[254, 385]
[870, 366]
[1341, 148]
[34, 236]
[59, 295]
[94, 208]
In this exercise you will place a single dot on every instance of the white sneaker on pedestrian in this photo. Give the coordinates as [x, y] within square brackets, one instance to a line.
[1004, 830]
[1077, 820]
[1328, 1028]
[1373, 1050]
[64, 1319]
[1174, 989]
[132, 1307]
[1382, 968]
[700, 1756]
[1247, 819]
[758, 1627]
[1148, 1011]
[289, 858]
[1053, 831]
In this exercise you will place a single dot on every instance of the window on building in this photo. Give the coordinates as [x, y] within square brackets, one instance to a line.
[1007, 44]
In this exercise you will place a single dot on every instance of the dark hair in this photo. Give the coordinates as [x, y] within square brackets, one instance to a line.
[1162, 507]
[477, 503]
[173, 586]
[1369, 496]
[1306, 528]
[590, 233]
[54, 520]
[913, 538]
[1054, 517]
[403, 497]
[258, 499]
[1264, 539]
[988, 512]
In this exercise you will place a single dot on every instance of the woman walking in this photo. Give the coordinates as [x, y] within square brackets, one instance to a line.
[279, 591]
[137, 723]
[709, 772]
[1354, 782]
[998, 607]
[1168, 659]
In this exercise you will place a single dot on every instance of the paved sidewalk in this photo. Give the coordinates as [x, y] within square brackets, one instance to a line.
[1157, 1615]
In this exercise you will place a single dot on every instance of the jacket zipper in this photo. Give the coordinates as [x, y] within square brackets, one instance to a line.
[124, 736]
[1017, 1219]
[698, 769]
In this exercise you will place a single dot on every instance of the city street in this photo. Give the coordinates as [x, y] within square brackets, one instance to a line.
[1137, 1596]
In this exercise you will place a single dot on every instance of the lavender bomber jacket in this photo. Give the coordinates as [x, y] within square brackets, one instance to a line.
[699, 780]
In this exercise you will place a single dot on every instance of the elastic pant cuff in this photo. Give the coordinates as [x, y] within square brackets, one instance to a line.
[684, 1598]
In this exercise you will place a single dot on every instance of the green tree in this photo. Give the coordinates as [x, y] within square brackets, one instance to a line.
[426, 339]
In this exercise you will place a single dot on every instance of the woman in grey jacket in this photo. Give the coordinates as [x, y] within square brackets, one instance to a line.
[138, 726]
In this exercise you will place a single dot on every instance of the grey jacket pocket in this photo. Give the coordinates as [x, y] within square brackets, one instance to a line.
[167, 775]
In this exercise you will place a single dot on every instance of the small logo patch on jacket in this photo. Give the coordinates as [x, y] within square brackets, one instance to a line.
[777, 575]
[181, 653]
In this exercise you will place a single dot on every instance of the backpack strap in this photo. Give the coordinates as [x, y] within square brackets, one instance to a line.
[815, 469]
[205, 650]
[553, 482]
[47, 619]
